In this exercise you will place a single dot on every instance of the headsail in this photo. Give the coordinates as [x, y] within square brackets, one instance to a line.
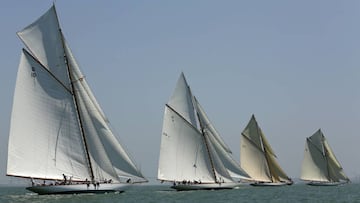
[69, 132]
[320, 163]
[257, 157]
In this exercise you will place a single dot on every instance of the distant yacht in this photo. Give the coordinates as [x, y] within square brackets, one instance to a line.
[258, 159]
[320, 166]
[193, 156]
[59, 136]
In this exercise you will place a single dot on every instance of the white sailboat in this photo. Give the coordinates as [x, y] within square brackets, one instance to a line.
[320, 166]
[258, 159]
[192, 154]
[58, 133]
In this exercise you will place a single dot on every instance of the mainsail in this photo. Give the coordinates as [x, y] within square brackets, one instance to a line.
[57, 126]
[191, 149]
[319, 163]
[257, 157]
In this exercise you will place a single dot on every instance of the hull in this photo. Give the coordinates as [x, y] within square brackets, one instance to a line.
[313, 183]
[270, 184]
[205, 186]
[79, 188]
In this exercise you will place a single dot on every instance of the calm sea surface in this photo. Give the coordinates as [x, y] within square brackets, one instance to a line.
[155, 193]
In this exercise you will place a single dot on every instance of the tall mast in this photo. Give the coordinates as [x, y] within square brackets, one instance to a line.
[326, 158]
[75, 100]
[265, 152]
[203, 135]
[207, 148]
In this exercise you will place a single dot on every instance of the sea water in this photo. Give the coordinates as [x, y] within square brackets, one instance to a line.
[162, 193]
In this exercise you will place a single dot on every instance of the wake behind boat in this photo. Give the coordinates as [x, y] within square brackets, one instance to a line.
[58, 130]
[320, 166]
[258, 159]
[193, 155]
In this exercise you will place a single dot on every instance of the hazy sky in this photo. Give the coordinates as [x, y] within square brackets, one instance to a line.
[294, 64]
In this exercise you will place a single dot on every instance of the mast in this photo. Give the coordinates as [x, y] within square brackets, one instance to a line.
[326, 158]
[75, 100]
[203, 134]
[207, 148]
[267, 161]
[265, 152]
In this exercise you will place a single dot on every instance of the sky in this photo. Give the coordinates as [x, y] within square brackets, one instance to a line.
[294, 64]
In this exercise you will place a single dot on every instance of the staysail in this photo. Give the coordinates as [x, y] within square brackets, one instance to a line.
[257, 157]
[66, 130]
[319, 163]
[191, 149]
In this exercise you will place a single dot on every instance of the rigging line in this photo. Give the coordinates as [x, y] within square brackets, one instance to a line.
[47, 70]
[75, 100]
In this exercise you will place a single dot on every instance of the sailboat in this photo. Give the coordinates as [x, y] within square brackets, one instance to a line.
[59, 135]
[258, 159]
[320, 166]
[193, 155]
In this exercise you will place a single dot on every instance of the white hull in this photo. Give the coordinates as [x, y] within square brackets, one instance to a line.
[79, 188]
[314, 183]
[270, 183]
[205, 186]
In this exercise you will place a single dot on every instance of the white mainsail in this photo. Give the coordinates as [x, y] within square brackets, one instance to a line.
[191, 149]
[319, 163]
[57, 126]
[44, 115]
[257, 157]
